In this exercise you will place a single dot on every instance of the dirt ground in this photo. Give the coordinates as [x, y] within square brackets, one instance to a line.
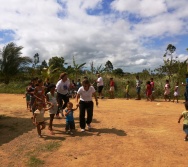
[124, 133]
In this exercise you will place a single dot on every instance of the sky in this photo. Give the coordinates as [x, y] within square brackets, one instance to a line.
[132, 34]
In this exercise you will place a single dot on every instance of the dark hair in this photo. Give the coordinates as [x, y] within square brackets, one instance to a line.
[148, 82]
[51, 86]
[86, 82]
[62, 75]
[186, 105]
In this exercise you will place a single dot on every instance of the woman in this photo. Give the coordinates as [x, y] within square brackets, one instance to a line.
[62, 86]
[85, 93]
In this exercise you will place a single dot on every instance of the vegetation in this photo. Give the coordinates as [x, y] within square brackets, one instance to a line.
[17, 71]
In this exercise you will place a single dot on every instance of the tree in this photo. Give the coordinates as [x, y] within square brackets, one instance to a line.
[57, 63]
[108, 66]
[118, 72]
[36, 60]
[11, 61]
[77, 67]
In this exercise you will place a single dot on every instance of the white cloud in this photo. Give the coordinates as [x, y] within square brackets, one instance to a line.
[66, 29]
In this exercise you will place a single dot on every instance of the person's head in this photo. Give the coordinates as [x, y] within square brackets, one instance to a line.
[63, 76]
[128, 82]
[39, 106]
[148, 82]
[40, 82]
[98, 75]
[137, 77]
[69, 105]
[186, 105]
[52, 87]
[111, 79]
[167, 81]
[86, 84]
[151, 79]
[85, 77]
[78, 80]
[47, 80]
[177, 83]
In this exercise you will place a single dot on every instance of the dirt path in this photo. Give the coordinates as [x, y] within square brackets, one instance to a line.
[125, 133]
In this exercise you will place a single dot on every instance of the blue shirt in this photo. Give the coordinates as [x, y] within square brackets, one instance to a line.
[69, 117]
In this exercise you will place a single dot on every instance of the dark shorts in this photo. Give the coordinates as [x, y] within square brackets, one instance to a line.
[99, 89]
[185, 128]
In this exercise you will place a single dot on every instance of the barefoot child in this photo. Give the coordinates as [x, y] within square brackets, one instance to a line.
[185, 121]
[52, 98]
[38, 118]
[70, 125]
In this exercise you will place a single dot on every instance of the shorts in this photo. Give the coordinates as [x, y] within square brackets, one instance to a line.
[111, 88]
[176, 94]
[185, 128]
[100, 89]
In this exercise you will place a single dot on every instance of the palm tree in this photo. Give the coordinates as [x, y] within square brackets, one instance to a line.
[77, 67]
[11, 61]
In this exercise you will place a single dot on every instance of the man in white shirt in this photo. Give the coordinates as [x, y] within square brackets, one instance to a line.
[100, 86]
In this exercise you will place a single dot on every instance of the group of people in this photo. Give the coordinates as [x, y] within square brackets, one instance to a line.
[55, 99]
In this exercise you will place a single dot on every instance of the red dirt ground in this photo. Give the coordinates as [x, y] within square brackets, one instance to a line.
[125, 133]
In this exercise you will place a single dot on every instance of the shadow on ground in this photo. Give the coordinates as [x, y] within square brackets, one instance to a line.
[12, 127]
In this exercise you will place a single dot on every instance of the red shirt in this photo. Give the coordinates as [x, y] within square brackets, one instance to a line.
[111, 83]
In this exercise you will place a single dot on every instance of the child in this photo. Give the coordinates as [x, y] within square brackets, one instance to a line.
[38, 118]
[127, 90]
[152, 88]
[148, 91]
[52, 98]
[39, 93]
[185, 121]
[176, 92]
[167, 91]
[70, 125]
[28, 96]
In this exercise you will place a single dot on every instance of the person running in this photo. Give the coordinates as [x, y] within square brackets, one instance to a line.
[70, 125]
[52, 98]
[100, 86]
[111, 91]
[62, 86]
[185, 121]
[176, 92]
[84, 95]
[38, 118]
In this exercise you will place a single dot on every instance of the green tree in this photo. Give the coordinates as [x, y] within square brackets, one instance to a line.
[118, 72]
[36, 60]
[77, 67]
[108, 66]
[57, 63]
[11, 61]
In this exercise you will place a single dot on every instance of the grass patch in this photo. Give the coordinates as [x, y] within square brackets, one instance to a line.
[4, 117]
[51, 146]
[35, 162]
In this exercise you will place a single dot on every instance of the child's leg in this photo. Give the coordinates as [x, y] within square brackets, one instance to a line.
[38, 129]
[51, 121]
[43, 125]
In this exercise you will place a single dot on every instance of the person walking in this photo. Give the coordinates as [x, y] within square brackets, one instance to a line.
[100, 85]
[85, 103]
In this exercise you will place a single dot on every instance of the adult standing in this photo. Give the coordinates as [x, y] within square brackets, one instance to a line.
[84, 95]
[100, 85]
[138, 87]
[62, 86]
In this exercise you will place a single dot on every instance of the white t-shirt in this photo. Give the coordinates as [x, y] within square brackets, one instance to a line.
[39, 115]
[62, 87]
[86, 95]
[99, 81]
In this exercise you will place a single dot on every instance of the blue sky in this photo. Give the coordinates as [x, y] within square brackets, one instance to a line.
[132, 34]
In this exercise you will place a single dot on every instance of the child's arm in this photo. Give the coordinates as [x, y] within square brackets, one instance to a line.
[48, 108]
[75, 108]
[66, 113]
[96, 100]
[181, 116]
